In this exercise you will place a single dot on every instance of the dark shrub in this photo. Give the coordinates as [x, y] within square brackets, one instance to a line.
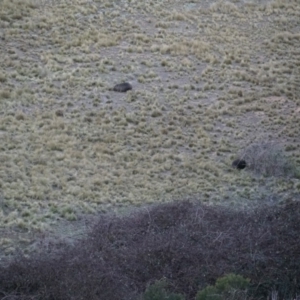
[157, 291]
[189, 244]
[230, 286]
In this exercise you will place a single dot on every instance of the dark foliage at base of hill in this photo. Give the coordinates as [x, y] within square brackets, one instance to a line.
[187, 243]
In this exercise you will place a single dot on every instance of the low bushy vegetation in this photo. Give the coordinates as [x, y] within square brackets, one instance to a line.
[158, 291]
[230, 286]
[187, 244]
[268, 158]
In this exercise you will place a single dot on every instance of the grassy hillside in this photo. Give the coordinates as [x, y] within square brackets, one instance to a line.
[212, 81]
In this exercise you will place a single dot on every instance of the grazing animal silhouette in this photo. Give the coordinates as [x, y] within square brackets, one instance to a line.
[239, 164]
[122, 87]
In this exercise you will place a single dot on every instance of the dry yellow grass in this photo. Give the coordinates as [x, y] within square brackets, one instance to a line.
[208, 80]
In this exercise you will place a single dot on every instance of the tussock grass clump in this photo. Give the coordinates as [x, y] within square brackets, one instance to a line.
[16, 9]
[185, 242]
[225, 7]
[269, 159]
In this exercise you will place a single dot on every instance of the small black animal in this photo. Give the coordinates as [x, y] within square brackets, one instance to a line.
[239, 164]
[122, 87]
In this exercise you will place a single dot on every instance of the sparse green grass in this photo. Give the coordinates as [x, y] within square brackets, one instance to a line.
[206, 82]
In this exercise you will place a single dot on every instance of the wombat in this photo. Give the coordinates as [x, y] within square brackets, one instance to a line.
[122, 87]
[239, 164]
